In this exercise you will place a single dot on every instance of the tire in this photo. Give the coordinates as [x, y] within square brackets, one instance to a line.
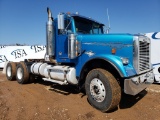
[22, 75]
[102, 89]
[11, 71]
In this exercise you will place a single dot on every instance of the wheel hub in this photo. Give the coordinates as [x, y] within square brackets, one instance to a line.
[97, 90]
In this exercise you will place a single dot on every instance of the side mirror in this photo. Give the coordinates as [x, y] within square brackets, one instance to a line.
[61, 25]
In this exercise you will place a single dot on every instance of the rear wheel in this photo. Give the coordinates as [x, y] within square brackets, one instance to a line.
[102, 89]
[22, 73]
[11, 71]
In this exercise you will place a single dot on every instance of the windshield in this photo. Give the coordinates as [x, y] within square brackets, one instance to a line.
[85, 26]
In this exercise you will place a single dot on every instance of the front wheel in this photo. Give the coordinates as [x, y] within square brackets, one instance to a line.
[102, 89]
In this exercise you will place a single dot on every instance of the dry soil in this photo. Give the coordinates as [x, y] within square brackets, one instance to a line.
[47, 101]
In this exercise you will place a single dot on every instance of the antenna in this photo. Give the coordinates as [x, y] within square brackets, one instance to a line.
[108, 28]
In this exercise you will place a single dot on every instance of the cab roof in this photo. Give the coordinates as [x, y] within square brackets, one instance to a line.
[87, 18]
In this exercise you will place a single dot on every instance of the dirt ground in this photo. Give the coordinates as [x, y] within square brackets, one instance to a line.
[48, 101]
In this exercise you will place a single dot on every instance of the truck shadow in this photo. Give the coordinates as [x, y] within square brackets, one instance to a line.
[62, 89]
[128, 101]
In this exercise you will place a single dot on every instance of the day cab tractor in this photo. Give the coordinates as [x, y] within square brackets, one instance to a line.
[79, 52]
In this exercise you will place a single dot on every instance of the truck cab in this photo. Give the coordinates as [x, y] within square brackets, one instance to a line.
[78, 26]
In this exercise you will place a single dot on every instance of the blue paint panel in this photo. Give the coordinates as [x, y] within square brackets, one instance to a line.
[97, 46]
[100, 46]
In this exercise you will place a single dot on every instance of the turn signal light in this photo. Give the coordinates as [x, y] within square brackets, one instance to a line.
[113, 51]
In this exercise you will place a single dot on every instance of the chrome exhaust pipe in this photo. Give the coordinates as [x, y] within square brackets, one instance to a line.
[50, 38]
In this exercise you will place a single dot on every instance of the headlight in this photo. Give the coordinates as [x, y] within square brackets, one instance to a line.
[125, 61]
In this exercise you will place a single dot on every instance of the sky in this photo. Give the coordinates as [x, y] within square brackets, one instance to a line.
[24, 21]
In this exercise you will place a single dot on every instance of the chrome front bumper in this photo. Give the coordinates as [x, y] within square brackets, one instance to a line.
[134, 85]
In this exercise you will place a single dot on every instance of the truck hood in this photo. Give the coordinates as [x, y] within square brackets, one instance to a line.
[107, 38]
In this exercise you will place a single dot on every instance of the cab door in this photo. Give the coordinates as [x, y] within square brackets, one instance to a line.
[62, 41]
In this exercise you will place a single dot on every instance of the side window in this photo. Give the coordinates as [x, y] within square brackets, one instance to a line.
[97, 29]
[68, 27]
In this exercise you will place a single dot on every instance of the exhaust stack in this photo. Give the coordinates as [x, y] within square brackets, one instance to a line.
[50, 38]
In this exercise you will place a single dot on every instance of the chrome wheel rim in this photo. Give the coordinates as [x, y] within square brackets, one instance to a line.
[97, 90]
[19, 73]
[9, 71]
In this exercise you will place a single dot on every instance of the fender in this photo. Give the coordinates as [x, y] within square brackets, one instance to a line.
[116, 62]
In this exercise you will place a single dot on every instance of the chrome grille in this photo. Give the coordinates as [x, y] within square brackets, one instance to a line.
[142, 54]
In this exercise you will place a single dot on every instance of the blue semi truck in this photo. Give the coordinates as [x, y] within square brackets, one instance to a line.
[79, 52]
